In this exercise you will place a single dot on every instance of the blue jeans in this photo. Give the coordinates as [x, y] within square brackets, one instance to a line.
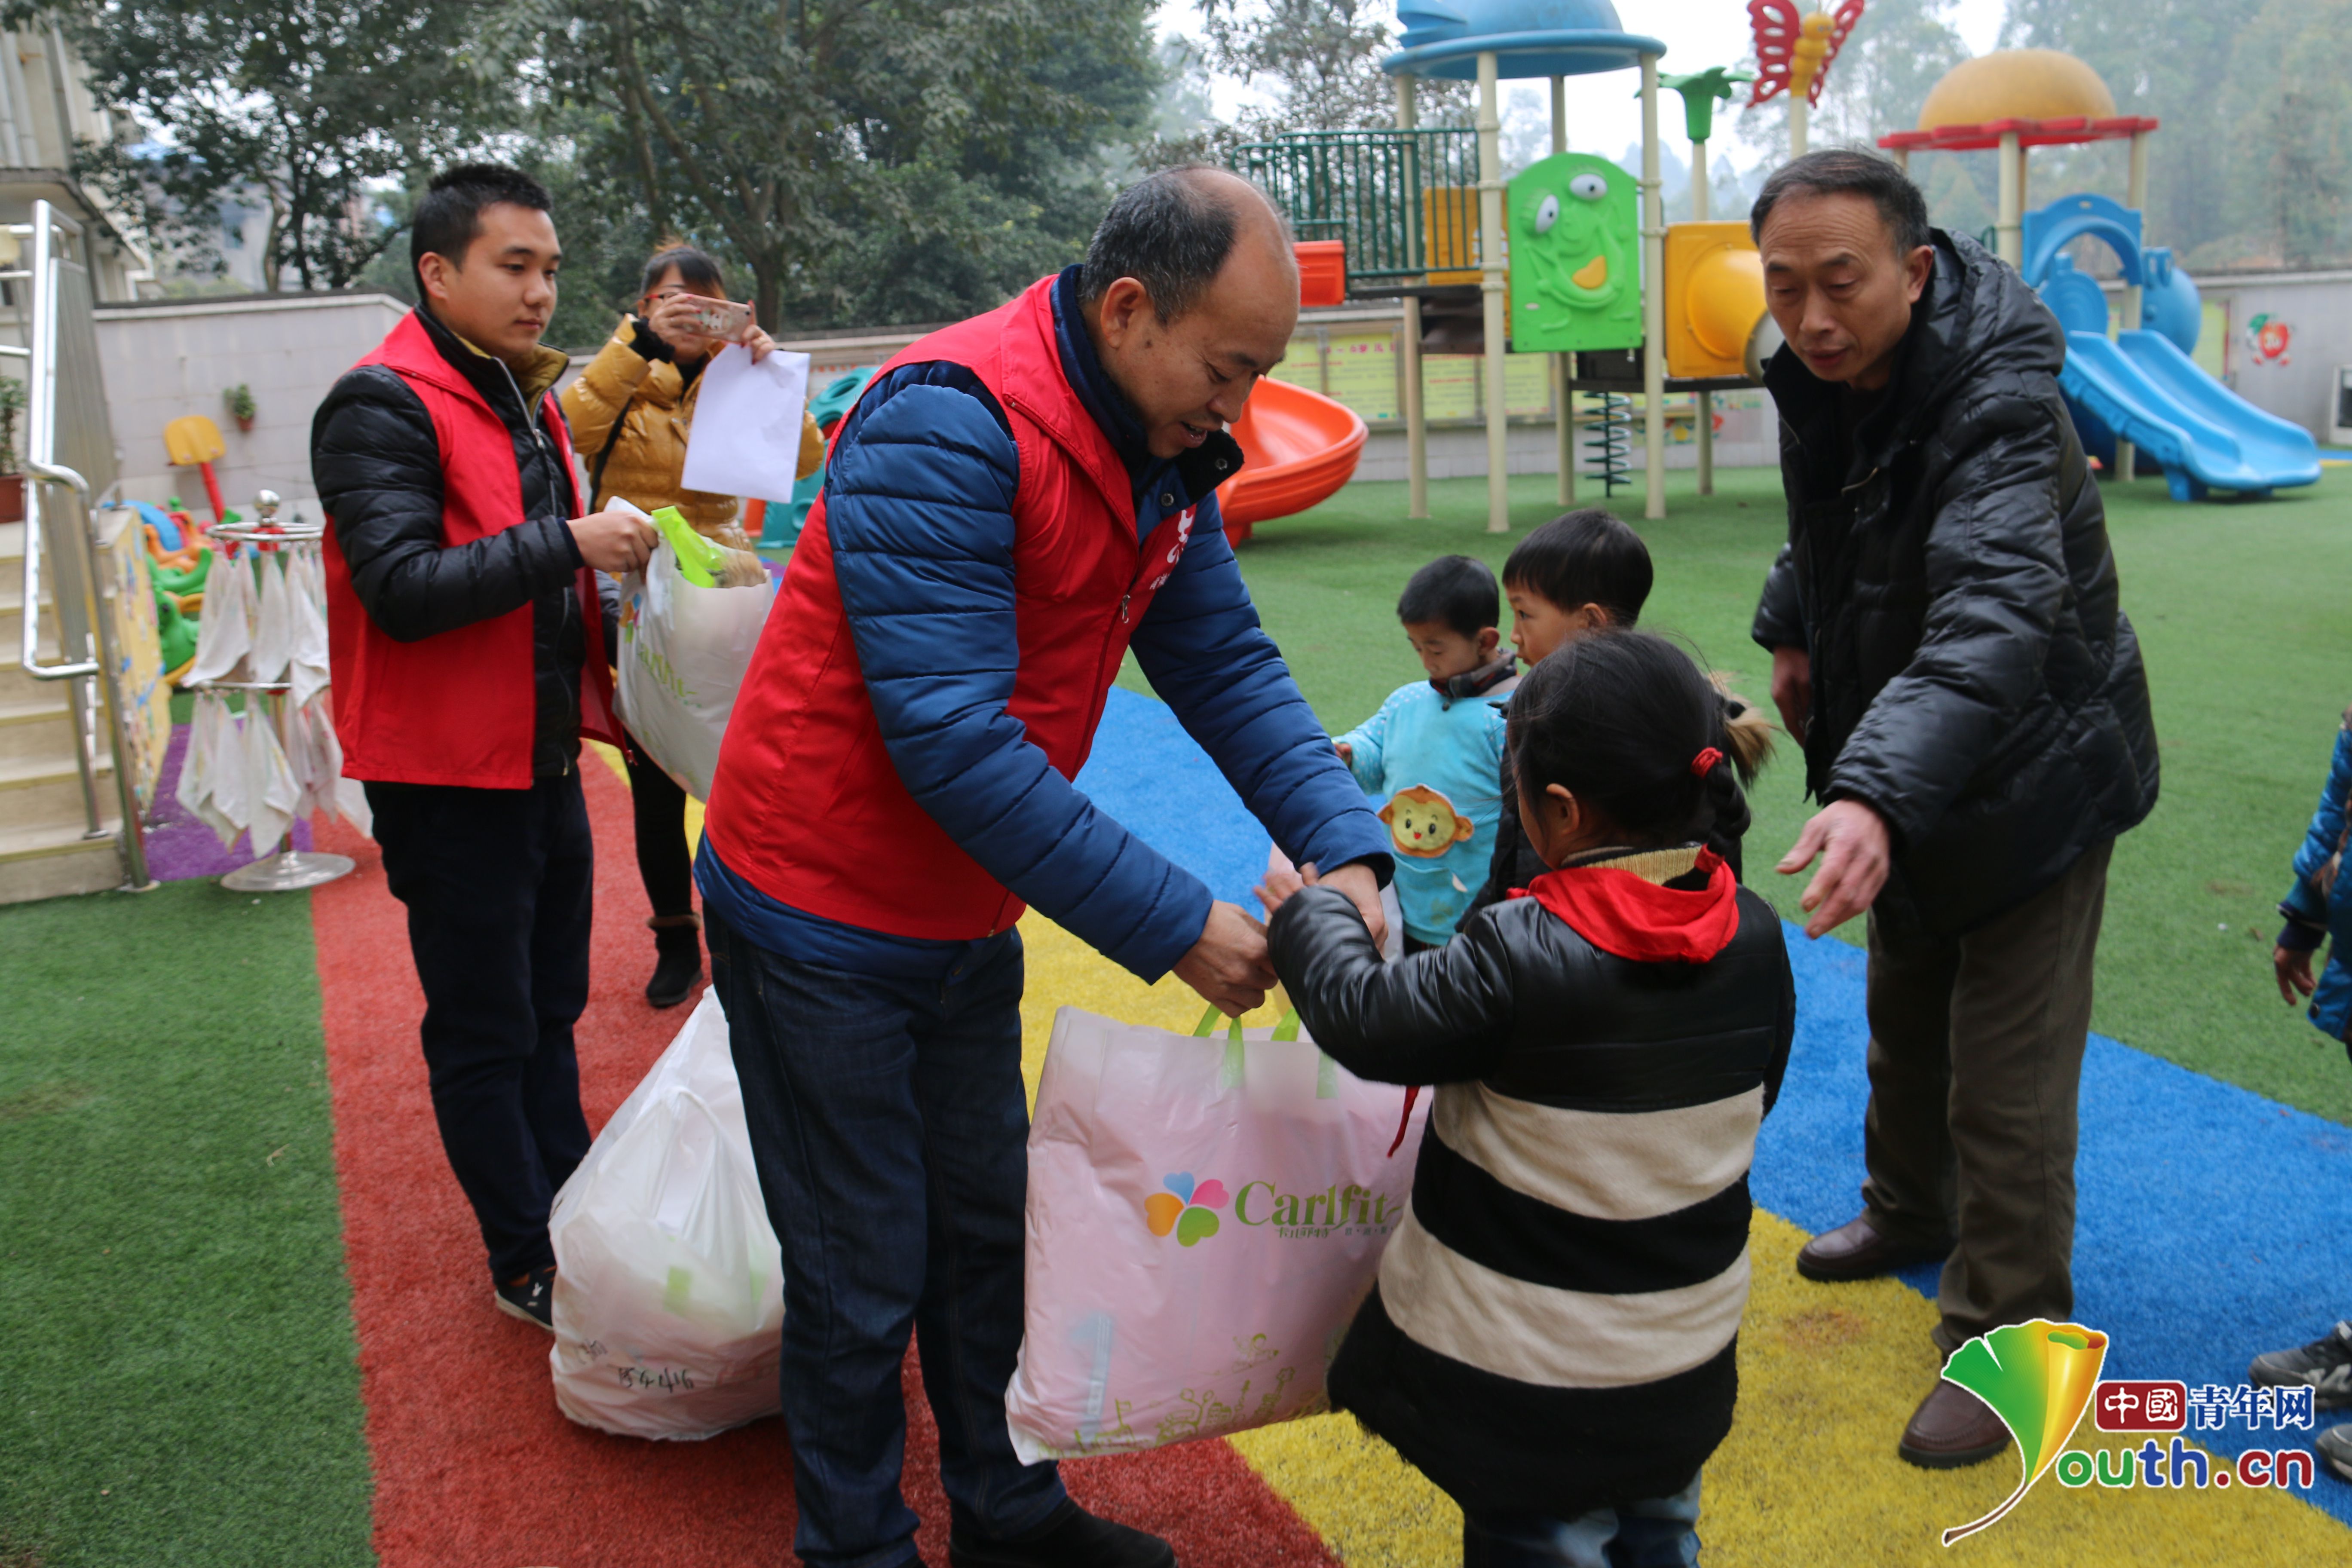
[1659, 1533]
[891, 1135]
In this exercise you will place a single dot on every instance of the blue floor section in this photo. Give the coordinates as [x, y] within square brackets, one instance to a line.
[2212, 1224]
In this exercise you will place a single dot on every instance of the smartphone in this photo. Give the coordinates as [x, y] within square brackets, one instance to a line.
[722, 319]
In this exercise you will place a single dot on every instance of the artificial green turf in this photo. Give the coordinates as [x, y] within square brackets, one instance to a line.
[175, 1328]
[2241, 609]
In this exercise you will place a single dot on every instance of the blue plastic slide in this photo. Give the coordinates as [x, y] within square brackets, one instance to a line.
[2141, 387]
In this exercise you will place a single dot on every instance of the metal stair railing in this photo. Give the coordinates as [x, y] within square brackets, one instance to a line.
[58, 517]
[1371, 189]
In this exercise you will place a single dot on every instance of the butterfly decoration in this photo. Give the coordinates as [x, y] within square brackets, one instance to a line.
[1794, 48]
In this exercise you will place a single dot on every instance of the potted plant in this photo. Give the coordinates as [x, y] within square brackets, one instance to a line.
[12, 482]
[240, 405]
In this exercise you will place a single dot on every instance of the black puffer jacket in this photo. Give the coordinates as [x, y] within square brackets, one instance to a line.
[1975, 680]
[378, 469]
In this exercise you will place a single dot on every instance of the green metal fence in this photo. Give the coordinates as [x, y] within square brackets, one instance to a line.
[1405, 201]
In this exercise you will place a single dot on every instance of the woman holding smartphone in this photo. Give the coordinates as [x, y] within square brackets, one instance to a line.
[631, 410]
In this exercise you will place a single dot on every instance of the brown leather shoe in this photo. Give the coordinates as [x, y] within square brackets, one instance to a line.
[1952, 1427]
[1855, 1250]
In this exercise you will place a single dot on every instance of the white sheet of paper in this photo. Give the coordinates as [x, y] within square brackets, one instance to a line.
[746, 439]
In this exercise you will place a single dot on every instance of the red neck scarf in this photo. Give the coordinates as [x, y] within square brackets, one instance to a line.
[1631, 917]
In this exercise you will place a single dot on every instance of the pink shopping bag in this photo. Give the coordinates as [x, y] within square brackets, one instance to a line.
[1205, 1214]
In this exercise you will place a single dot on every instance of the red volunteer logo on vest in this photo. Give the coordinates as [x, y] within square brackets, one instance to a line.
[1176, 550]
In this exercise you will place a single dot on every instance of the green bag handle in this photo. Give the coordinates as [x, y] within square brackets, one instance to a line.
[699, 559]
[1229, 1073]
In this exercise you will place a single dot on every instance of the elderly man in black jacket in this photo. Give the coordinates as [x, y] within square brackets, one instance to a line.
[1947, 644]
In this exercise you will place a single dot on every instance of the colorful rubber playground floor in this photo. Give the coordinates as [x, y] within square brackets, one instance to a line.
[242, 1318]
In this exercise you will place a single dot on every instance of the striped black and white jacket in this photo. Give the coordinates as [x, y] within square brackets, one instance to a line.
[1555, 1324]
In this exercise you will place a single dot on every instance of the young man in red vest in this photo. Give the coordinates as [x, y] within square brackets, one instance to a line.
[1013, 505]
[465, 643]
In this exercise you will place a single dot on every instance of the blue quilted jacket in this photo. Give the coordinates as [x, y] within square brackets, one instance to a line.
[2318, 907]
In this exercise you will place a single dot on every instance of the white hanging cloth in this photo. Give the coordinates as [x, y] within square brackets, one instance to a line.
[217, 749]
[307, 670]
[224, 630]
[273, 625]
[271, 792]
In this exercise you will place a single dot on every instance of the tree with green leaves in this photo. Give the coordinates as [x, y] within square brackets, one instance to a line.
[883, 160]
[1320, 60]
[312, 103]
[2175, 60]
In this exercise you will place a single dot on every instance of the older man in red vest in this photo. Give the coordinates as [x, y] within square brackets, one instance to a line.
[1014, 505]
[465, 643]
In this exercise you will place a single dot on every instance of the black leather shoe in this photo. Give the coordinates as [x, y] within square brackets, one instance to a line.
[1952, 1427]
[1073, 1538]
[1855, 1250]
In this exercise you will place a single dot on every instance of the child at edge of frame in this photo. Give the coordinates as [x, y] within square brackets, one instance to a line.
[1552, 1336]
[2318, 908]
[1433, 753]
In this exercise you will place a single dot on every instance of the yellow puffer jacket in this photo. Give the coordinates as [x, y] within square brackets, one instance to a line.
[655, 406]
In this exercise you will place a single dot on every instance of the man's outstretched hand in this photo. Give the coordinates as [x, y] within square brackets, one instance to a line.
[1363, 889]
[1228, 966]
[1850, 840]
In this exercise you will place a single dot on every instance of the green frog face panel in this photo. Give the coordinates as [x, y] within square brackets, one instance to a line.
[1575, 273]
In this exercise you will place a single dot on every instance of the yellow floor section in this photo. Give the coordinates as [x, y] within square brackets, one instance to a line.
[1809, 1477]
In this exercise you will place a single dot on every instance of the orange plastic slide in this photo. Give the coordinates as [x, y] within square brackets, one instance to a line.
[1300, 448]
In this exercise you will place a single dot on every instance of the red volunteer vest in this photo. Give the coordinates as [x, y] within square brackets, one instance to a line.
[458, 708]
[806, 806]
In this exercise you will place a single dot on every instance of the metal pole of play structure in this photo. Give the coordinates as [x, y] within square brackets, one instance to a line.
[1654, 301]
[2136, 198]
[1492, 283]
[1416, 428]
[1703, 405]
[1563, 401]
[2008, 235]
[1798, 108]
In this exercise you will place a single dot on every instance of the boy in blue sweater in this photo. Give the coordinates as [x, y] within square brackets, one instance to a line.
[1433, 753]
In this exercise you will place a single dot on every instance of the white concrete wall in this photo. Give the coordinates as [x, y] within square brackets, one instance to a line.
[164, 360]
[2317, 308]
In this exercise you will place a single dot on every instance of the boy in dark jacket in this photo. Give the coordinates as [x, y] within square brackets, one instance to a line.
[468, 657]
[1585, 571]
[1552, 1336]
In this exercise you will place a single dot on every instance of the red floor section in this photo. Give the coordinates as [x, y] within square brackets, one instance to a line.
[474, 1466]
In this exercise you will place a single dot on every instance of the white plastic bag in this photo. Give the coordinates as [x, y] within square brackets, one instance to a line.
[683, 653]
[1205, 1214]
[669, 1294]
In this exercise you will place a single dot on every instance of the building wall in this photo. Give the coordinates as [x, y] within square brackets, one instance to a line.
[2294, 381]
[164, 360]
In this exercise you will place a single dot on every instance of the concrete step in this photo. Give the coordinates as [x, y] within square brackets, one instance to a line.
[46, 790]
[36, 727]
[50, 861]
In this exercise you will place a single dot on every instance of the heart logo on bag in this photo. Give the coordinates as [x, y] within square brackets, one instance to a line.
[1187, 1208]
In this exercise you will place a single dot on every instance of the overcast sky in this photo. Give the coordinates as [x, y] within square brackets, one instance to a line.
[1604, 114]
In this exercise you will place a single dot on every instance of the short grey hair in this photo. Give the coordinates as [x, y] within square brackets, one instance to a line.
[1171, 232]
[1848, 171]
